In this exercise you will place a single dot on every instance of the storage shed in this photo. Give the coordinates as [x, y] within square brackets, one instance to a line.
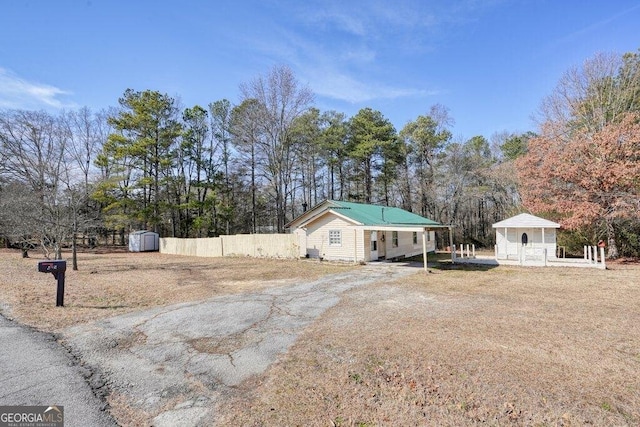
[525, 236]
[143, 241]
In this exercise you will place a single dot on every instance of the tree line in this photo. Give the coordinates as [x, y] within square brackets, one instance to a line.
[200, 171]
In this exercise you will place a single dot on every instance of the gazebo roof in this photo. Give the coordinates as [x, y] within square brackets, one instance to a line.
[525, 220]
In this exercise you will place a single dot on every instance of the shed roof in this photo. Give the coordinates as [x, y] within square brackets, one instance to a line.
[525, 220]
[367, 215]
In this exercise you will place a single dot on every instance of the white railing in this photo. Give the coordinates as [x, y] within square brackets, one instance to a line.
[591, 255]
[466, 252]
[533, 256]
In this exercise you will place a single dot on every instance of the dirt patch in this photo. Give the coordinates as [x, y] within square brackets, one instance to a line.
[108, 284]
[504, 346]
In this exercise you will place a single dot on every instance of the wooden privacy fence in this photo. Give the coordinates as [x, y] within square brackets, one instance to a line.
[255, 245]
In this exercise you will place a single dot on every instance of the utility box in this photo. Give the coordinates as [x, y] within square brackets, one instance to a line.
[144, 241]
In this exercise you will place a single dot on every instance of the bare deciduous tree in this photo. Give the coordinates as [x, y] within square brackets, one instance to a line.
[282, 100]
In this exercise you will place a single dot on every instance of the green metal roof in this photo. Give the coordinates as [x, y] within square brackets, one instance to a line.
[378, 215]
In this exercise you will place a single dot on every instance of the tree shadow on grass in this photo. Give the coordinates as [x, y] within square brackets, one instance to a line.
[466, 266]
[99, 307]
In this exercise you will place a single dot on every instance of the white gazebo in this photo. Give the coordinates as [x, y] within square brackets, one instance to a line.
[525, 236]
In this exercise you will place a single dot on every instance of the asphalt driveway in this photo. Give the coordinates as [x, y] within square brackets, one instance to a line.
[176, 363]
[36, 371]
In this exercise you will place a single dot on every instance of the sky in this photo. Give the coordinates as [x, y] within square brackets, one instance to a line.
[490, 62]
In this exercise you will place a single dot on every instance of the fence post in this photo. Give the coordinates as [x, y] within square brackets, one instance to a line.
[453, 253]
[495, 249]
[473, 247]
[602, 258]
[544, 254]
[585, 252]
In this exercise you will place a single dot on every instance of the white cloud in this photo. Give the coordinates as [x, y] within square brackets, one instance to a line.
[345, 88]
[16, 92]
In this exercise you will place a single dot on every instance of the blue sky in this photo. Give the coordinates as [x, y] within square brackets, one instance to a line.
[490, 62]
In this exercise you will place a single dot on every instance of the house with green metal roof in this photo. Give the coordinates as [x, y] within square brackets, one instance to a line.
[347, 231]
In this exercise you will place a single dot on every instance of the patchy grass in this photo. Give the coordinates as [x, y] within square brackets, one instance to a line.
[506, 346]
[108, 284]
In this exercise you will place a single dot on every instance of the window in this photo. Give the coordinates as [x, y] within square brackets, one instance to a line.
[335, 238]
[394, 239]
[415, 237]
[428, 236]
[374, 245]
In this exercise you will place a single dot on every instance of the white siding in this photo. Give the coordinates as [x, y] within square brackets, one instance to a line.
[366, 246]
[356, 242]
[501, 243]
[405, 244]
[318, 239]
[511, 247]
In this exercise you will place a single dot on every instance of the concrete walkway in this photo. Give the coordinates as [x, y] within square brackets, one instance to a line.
[35, 370]
[552, 262]
[177, 363]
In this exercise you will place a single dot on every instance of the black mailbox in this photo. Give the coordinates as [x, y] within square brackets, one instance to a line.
[57, 268]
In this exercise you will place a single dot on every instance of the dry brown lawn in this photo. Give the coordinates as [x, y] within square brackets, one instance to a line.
[505, 346]
[107, 284]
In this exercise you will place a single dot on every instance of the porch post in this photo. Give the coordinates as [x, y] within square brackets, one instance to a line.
[506, 243]
[424, 248]
[451, 243]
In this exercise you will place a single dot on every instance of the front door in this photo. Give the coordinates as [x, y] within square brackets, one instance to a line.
[382, 245]
[374, 246]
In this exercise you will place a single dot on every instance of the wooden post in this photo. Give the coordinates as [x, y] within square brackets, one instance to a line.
[595, 254]
[473, 248]
[424, 249]
[451, 245]
[602, 258]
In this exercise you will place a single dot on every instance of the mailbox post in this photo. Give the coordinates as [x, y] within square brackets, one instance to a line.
[57, 268]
